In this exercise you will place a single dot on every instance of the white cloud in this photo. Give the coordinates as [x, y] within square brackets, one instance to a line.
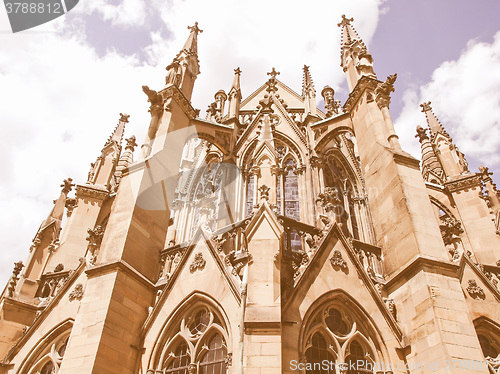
[60, 99]
[465, 96]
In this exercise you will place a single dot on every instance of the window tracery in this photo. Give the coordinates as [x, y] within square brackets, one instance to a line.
[341, 187]
[50, 359]
[198, 344]
[335, 335]
[488, 334]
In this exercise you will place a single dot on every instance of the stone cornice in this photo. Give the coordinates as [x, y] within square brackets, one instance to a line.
[418, 263]
[172, 91]
[363, 84]
[90, 191]
[463, 183]
[406, 160]
[120, 265]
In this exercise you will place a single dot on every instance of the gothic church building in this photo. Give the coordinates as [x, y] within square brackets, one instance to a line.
[269, 237]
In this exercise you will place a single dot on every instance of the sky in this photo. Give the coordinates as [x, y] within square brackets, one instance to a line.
[64, 84]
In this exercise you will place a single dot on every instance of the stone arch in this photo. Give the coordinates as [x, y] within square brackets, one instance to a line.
[359, 327]
[488, 333]
[292, 145]
[176, 327]
[42, 352]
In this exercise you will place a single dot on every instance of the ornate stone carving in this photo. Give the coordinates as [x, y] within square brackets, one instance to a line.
[174, 73]
[469, 181]
[383, 91]
[67, 185]
[474, 290]
[332, 106]
[88, 191]
[155, 99]
[229, 359]
[392, 307]
[329, 199]
[94, 238]
[237, 261]
[337, 261]
[77, 293]
[198, 263]
[264, 192]
[18, 266]
[70, 205]
[58, 268]
[450, 230]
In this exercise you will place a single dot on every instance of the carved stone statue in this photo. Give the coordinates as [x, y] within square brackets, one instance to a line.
[174, 74]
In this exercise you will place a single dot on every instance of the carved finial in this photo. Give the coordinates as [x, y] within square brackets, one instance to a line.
[195, 28]
[273, 73]
[13, 280]
[426, 106]
[124, 117]
[67, 185]
[237, 71]
[131, 144]
[345, 21]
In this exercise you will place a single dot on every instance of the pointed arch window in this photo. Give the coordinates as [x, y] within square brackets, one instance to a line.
[340, 335]
[343, 191]
[291, 190]
[250, 190]
[207, 195]
[316, 355]
[197, 343]
[49, 360]
[213, 360]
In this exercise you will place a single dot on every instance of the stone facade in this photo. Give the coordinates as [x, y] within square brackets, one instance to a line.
[290, 240]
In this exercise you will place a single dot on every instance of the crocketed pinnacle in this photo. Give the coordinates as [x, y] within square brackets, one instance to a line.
[307, 83]
[433, 123]
[117, 135]
[191, 45]
[348, 33]
[236, 81]
[430, 162]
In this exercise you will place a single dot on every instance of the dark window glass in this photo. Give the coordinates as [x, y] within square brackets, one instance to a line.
[213, 361]
[179, 364]
[317, 356]
[336, 323]
[250, 188]
[200, 322]
[358, 359]
[487, 348]
[48, 368]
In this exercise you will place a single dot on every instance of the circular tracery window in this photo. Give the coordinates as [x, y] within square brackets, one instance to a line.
[199, 322]
[336, 322]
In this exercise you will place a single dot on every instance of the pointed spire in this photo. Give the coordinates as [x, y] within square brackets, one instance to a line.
[354, 56]
[235, 95]
[308, 92]
[236, 80]
[348, 33]
[185, 67]
[191, 45]
[125, 160]
[434, 124]
[117, 135]
[430, 162]
[307, 83]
